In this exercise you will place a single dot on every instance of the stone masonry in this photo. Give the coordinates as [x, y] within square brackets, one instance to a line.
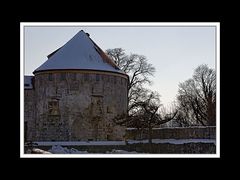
[75, 106]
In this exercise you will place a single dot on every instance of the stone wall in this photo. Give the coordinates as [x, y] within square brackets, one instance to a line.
[164, 148]
[174, 133]
[79, 105]
[29, 114]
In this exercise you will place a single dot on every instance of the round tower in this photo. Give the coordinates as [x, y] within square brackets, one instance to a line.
[78, 91]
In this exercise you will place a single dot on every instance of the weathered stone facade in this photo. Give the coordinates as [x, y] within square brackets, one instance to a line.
[29, 114]
[75, 105]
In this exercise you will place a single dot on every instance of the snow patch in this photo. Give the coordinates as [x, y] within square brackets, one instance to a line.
[79, 143]
[57, 149]
[38, 151]
[109, 143]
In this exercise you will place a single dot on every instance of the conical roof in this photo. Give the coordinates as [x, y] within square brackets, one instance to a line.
[79, 53]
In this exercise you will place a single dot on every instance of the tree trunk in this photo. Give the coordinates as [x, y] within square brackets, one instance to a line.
[211, 112]
[150, 134]
[150, 138]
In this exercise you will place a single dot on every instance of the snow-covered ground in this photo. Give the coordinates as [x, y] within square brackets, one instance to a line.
[157, 141]
[57, 149]
[79, 143]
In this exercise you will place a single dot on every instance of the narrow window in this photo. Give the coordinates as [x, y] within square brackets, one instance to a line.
[86, 77]
[50, 77]
[97, 77]
[74, 76]
[63, 76]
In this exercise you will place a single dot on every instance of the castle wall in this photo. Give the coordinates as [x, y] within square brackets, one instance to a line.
[201, 132]
[79, 105]
[29, 114]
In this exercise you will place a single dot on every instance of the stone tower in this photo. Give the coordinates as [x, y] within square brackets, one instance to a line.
[76, 93]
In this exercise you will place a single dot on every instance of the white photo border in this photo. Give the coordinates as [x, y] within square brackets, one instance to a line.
[122, 24]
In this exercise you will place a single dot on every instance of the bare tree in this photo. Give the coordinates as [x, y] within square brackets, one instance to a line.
[139, 71]
[197, 98]
[148, 115]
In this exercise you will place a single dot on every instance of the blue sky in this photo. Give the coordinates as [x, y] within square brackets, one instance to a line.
[174, 51]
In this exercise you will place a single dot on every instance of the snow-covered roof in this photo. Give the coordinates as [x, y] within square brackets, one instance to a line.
[28, 82]
[79, 53]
